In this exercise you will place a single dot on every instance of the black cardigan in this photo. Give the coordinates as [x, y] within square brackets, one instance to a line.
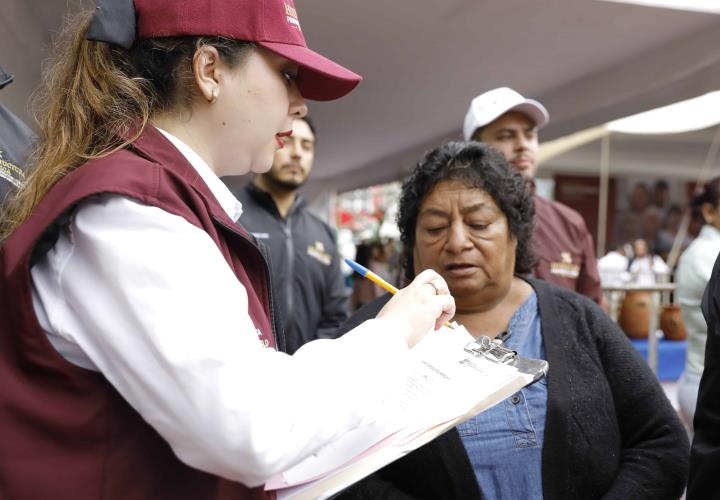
[610, 431]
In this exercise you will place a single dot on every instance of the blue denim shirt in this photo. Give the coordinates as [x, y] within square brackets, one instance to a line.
[504, 443]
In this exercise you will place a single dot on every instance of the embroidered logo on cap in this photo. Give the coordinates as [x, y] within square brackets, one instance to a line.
[292, 17]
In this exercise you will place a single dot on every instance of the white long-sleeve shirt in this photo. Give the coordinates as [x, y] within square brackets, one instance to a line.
[146, 298]
[692, 275]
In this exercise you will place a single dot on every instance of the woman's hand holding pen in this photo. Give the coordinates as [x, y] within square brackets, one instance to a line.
[424, 304]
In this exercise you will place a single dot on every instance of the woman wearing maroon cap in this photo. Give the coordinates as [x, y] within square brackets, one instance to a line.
[137, 343]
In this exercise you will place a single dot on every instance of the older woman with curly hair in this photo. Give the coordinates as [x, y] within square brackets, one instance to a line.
[599, 426]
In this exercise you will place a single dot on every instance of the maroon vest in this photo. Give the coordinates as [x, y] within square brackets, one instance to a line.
[66, 432]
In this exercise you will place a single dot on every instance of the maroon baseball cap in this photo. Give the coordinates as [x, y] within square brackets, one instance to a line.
[272, 24]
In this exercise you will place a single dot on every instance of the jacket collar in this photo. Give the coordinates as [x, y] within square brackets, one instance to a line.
[264, 199]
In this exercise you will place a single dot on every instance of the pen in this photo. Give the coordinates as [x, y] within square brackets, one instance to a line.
[367, 273]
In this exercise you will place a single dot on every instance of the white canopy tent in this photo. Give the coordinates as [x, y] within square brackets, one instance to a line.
[589, 62]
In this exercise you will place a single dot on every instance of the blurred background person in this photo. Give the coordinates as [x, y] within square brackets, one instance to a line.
[584, 432]
[670, 227]
[646, 268]
[641, 219]
[613, 269]
[305, 262]
[661, 197]
[691, 278]
[565, 251]
[377, 256]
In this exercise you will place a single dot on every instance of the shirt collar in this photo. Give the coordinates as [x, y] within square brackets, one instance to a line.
[227, 201]
[524, 314]
[266, 200]
[710, 232]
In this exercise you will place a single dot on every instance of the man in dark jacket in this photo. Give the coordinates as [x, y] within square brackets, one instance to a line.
[15, 139]
[304, 260]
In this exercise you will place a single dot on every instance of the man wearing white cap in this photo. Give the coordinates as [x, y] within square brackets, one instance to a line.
[507, 121]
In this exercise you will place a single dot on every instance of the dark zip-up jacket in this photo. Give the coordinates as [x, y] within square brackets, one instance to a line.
[304, 264]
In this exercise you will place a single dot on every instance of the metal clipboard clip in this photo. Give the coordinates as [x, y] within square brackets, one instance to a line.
[491, 349]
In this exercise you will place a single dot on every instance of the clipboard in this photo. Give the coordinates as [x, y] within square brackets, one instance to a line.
[462, 376]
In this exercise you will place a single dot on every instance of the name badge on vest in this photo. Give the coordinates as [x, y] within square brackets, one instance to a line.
[317, 252]
[565, 268]
[261, 236]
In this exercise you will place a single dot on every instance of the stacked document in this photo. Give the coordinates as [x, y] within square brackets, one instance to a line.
[453, 377]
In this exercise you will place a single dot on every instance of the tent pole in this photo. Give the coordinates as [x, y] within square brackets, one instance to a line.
[603, 195]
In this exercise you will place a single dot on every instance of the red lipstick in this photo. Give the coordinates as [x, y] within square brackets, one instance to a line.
[279, 137]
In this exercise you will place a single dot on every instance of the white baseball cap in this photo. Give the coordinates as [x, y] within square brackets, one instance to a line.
[486, 107]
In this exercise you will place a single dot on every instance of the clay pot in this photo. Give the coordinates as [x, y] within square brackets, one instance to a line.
[634, 316]
[671, 323]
